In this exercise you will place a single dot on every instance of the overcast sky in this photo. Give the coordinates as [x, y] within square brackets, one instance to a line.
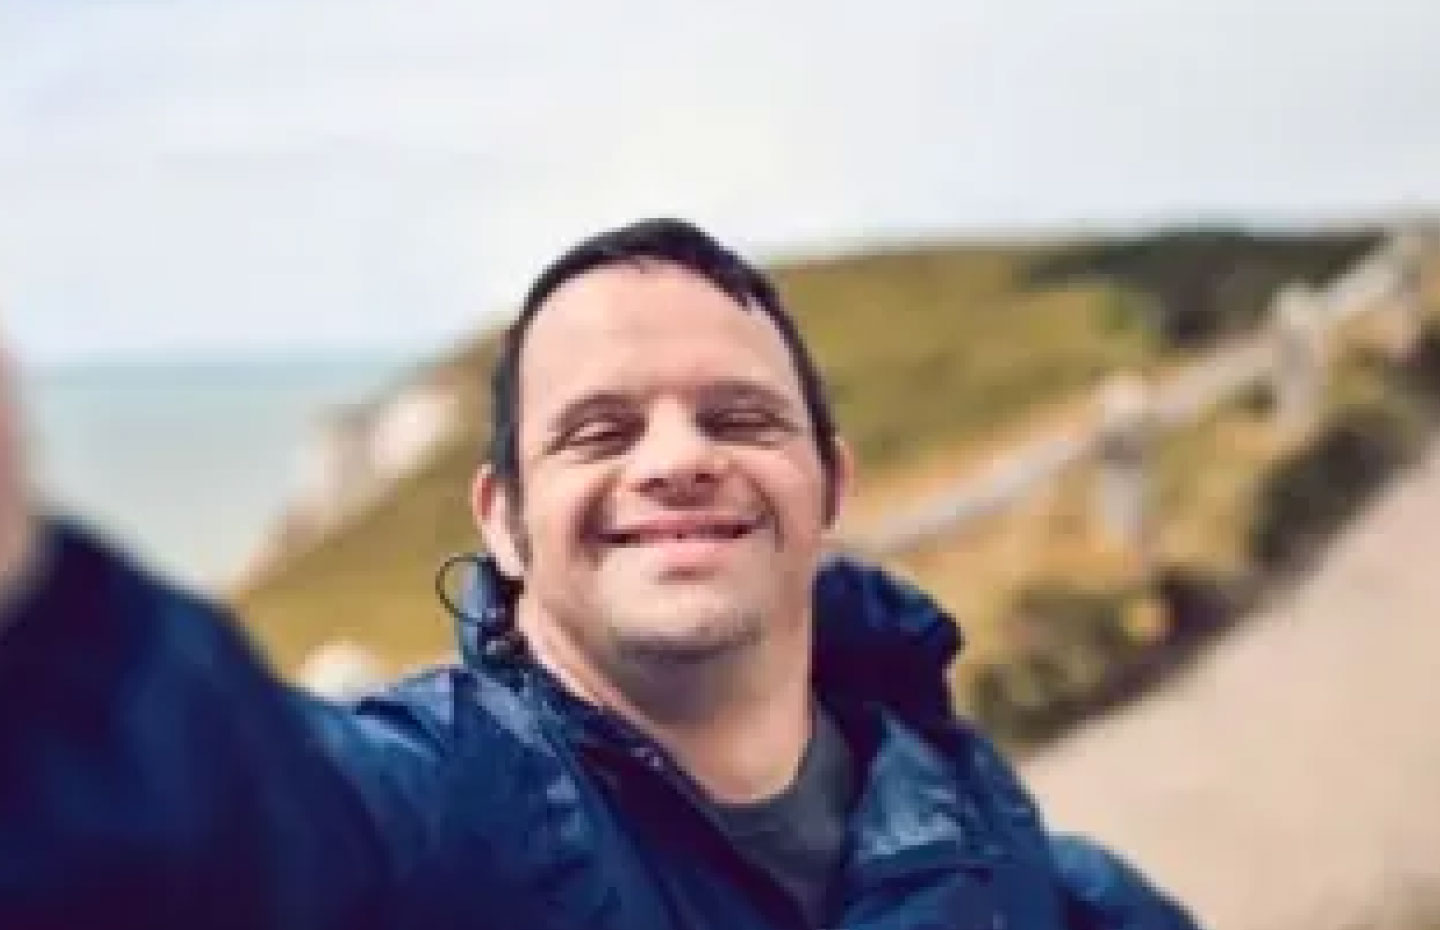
[206, 175]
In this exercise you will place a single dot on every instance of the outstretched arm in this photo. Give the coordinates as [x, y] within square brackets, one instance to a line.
[153, 773]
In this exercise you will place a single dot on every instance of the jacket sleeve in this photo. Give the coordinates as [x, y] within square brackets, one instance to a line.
[154, 774]
[1103, 892]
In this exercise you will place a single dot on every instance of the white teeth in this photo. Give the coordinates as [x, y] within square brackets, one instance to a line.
[640, 538]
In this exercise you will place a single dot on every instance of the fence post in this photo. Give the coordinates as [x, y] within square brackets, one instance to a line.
[1408, 305]
[1122, 481]
[1299, 372]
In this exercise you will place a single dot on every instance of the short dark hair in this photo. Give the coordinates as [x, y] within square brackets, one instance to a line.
[675, 242]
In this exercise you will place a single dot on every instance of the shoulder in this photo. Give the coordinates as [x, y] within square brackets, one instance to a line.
[447, 711]
[417, 713]
[477, 792]
[1098, 888]
[439, 742]
[1104, 892]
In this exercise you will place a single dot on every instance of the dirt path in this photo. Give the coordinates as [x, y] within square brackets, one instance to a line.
[1290, 780]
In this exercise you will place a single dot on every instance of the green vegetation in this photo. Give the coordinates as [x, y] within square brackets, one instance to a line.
[1200, 286]
[928, 351]
[1242, 512]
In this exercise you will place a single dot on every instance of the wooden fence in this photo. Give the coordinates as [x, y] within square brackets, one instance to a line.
[1291, 354]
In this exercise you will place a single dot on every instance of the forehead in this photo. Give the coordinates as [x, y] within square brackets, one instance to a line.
[645, 329]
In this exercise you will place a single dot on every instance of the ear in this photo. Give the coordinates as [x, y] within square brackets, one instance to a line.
[842, 481]
[492, 505]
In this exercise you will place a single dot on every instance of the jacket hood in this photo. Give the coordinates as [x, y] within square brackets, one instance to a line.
[877, 637]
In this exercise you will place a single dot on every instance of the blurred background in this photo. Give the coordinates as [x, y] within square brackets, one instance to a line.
[1128, 308]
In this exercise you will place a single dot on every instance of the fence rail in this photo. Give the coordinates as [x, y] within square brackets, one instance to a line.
[1290, 354]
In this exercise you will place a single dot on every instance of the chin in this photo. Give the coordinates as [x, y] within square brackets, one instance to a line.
[689, 636]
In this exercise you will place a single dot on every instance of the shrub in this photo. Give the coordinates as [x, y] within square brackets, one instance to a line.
[1312, 490]
[1075, 650]
[1421, 372]
[1062, 644]
[1200, 285]
[1197, 601]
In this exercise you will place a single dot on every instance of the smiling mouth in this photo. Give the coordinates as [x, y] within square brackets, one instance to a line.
[723, 531]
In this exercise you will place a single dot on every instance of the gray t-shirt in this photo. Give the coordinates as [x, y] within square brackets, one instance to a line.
[798, 836]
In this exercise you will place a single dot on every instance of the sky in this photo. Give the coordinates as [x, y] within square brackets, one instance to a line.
[187, 177]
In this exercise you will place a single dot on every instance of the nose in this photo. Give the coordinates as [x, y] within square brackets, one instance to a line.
[676, 461]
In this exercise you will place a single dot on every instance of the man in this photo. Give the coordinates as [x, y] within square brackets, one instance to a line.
[669, 715]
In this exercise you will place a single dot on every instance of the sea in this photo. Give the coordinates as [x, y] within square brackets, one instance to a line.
[188, 462]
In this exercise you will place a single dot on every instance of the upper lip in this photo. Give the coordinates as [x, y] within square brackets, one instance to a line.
[678, 525]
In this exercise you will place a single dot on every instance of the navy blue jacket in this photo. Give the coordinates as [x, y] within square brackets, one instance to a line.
[154, 774]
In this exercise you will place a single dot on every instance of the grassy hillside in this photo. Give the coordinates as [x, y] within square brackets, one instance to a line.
[929, 351]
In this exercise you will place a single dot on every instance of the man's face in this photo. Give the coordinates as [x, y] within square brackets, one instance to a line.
[673, 499]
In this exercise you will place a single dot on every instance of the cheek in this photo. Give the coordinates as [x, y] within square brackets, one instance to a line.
[560, 507]
[795, 486]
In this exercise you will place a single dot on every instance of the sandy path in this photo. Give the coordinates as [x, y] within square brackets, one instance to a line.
[1289, 780]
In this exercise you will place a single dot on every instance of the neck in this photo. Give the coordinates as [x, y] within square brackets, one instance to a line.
[747, 752]
[738, 724]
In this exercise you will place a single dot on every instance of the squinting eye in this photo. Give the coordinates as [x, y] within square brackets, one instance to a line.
[742, 421]
[601, 437]
[596, 434]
